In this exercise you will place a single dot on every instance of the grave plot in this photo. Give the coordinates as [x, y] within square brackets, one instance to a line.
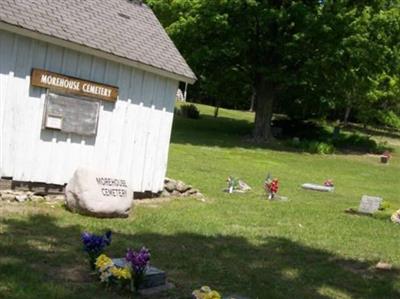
[132, 272]
[368, 205]
[328, 186]
[235, 185]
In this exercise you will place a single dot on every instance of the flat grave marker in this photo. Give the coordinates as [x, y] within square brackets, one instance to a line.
[316, 187]
[153, 277]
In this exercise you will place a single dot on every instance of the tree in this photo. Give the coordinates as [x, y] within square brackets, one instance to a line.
[313, 54]
[364, 50]
[231, 43]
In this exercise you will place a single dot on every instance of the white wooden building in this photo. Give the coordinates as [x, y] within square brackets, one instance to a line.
[115, 43]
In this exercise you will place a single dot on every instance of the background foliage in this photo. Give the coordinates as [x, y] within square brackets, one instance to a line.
[327, 59]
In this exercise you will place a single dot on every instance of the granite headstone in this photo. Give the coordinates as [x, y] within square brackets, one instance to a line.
[153, 277]
[369, 204]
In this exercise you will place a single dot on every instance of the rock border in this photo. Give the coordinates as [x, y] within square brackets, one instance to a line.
[177, 188]
[172, 189]
[28, 196]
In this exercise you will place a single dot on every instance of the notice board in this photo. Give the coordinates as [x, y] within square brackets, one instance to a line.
[71, 114]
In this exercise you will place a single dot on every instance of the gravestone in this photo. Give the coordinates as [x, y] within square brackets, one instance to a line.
[239, 187]
[153, 277]
[97, 194]
[369, 204]
[316, 187]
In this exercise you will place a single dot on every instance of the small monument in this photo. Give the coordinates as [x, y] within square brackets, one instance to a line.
[236, 185]
[97, 194]
[369, 204]
[385, 157]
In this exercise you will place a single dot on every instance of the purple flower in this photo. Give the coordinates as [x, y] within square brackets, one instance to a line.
[139, 260]
[94, 244]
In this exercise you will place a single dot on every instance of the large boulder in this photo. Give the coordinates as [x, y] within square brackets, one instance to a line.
[97, 194]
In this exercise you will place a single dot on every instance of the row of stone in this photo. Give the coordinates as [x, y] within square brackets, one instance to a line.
[24, 196]
[176, 188]
[172, 188]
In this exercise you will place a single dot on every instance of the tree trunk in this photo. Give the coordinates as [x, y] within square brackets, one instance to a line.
[265, 95]
[252, 100]
[346, 116]
[216, 111]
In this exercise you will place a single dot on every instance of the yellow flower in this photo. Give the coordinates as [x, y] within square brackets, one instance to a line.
[103, 262]
[121, 273]
[212, 295]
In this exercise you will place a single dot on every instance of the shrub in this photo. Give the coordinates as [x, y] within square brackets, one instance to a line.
[358, 142]
[384, 205]
[312, 146]
[321, 147]
[190, 111]
[388, 118]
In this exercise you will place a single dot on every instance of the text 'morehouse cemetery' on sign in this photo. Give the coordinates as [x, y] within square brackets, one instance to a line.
[71, 85]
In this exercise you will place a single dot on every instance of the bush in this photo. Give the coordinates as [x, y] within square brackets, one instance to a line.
[384, 205]
[361, 143]
[320, 147]
[388, 118]
[312, 146]
[190, 111]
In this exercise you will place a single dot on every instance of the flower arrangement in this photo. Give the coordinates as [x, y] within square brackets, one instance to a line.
[139, 261]
[233, 184]
[129, 271]
[329, 183]
[205, 292]
[94, 245]
[111, 274]
[271, 186]
[396, 217]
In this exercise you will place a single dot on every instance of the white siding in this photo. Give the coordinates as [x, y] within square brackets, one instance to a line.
[133, 134]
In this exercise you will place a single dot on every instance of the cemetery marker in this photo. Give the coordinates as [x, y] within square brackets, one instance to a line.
[369, 204]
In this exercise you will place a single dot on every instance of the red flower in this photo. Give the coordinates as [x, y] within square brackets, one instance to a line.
[272, 186]
[328, 183]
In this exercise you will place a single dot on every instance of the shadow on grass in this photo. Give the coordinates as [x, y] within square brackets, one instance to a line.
[373, 131]
[40, 259]
[230, 133]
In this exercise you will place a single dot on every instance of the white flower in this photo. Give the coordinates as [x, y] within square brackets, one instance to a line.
[396, 217]
[104, 276]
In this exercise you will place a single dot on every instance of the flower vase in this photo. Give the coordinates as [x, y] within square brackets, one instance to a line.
[92, 263]
[137, 281]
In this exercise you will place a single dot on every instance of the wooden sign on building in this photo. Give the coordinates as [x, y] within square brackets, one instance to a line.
[71, 85]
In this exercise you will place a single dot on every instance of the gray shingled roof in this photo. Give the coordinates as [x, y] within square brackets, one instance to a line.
[119, 27]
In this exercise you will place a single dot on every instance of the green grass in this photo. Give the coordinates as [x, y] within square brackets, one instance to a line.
[306, 247]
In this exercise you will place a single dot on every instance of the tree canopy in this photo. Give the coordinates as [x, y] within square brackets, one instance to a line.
[305, 58]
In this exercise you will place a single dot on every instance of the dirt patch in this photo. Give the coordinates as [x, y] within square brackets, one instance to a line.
[71, 274]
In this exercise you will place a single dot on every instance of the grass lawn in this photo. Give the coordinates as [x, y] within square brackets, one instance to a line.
[306, 247]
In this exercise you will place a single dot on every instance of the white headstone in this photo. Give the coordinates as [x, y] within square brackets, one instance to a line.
[316, 187]
[369, 204]
[95, 193]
